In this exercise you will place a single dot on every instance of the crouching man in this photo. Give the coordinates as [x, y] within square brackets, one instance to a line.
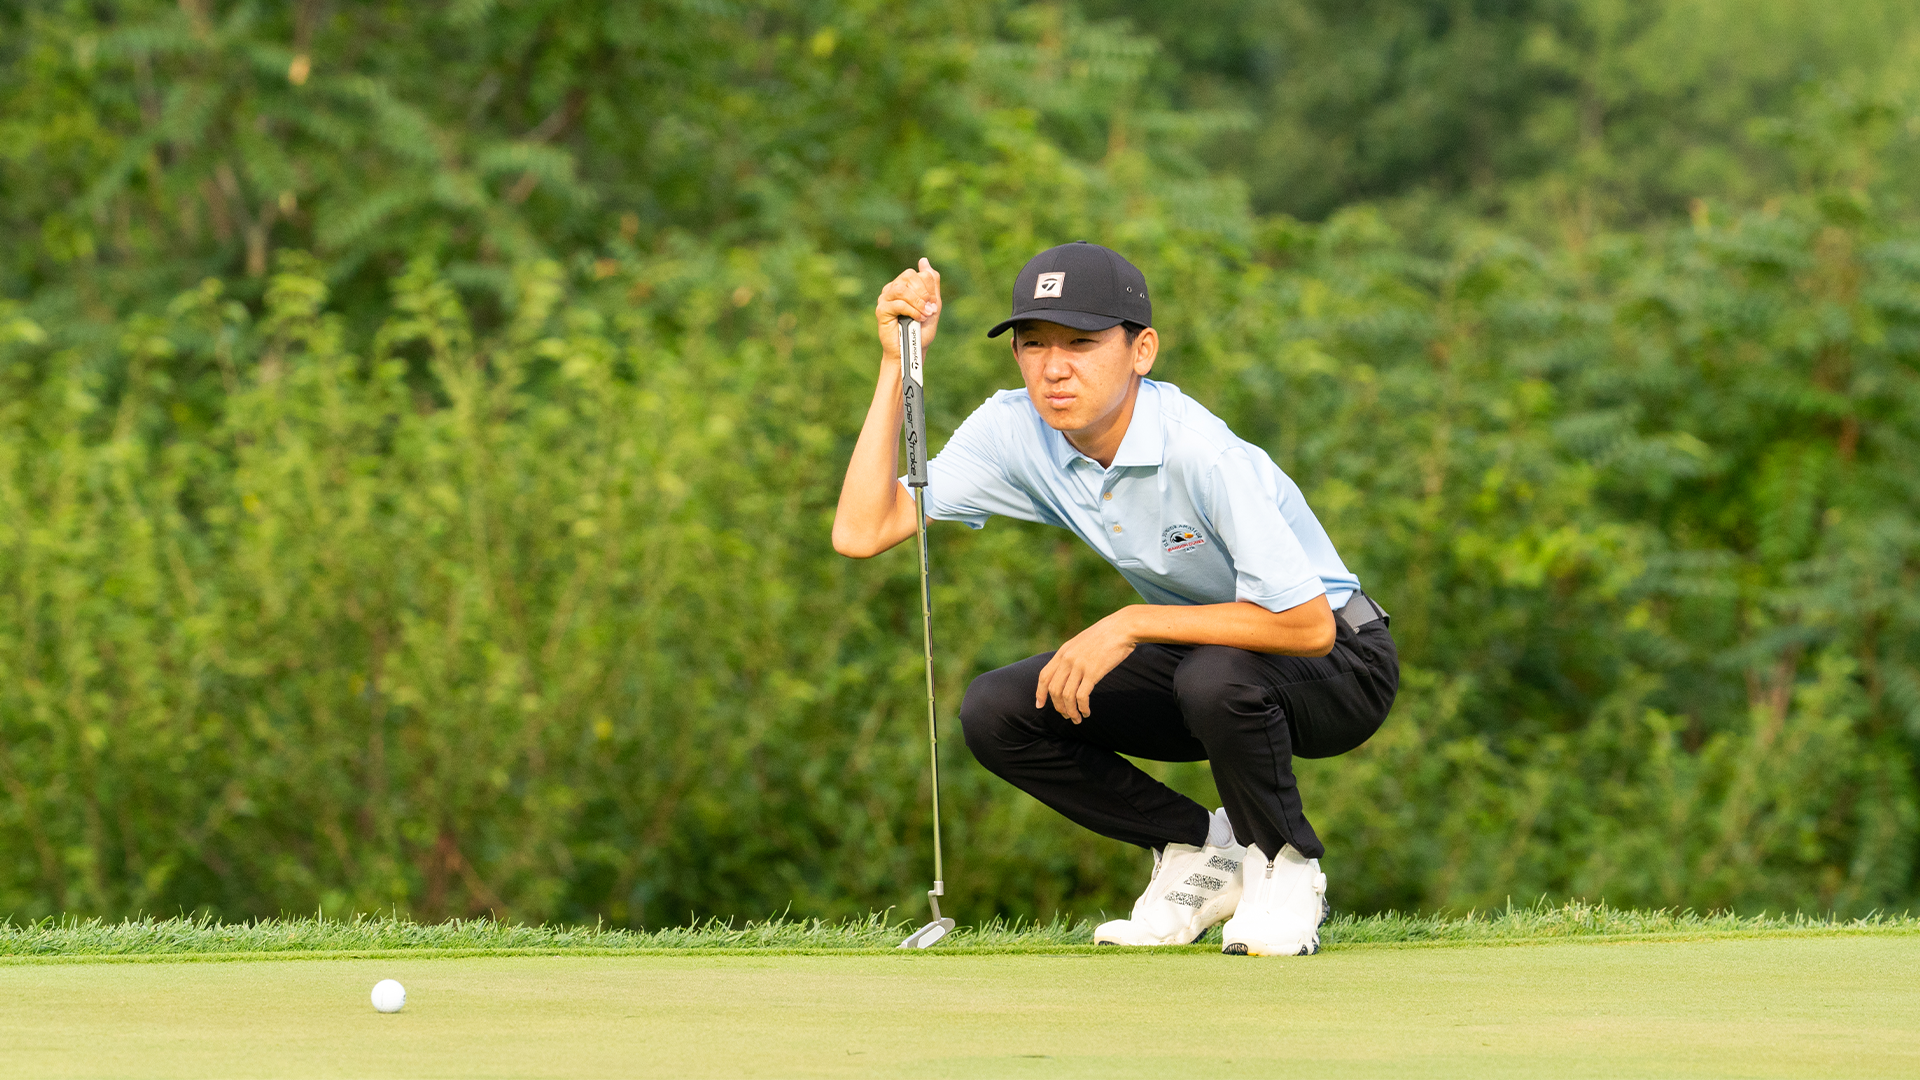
[1255, 644]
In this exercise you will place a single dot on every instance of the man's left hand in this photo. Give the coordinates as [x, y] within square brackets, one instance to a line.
[1069, 678]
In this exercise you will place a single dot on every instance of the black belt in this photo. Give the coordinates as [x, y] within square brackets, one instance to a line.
[1360, 610]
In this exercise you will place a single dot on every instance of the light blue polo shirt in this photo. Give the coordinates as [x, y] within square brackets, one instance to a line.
[1189, 512]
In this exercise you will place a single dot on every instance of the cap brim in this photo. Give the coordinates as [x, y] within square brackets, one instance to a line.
[1079, 320]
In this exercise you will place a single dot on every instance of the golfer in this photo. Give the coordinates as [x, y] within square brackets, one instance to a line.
[1255, 644]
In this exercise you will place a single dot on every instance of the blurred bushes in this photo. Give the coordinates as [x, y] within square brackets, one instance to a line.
[475, 558]
[1550, 113]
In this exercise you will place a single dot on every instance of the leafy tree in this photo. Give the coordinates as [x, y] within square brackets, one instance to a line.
[1590, 112]
[419, 430]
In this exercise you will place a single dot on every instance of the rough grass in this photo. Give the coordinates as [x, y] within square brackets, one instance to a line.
[185, 937]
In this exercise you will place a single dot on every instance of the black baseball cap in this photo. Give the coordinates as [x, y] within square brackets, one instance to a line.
[1081, 285]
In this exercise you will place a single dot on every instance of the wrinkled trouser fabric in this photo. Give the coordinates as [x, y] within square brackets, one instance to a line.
[1248, 714]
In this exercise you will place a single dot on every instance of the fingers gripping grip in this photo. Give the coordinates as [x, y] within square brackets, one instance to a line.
[913, 391]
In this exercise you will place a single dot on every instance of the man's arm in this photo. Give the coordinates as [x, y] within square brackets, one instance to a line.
[1303, 630]
[1069, 678]
[876, 511]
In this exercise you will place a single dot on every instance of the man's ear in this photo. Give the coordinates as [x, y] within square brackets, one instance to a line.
[1145, 348]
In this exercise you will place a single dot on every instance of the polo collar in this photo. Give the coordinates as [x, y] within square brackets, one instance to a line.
[1145, 441]
[1058, 447]
[1143, 444]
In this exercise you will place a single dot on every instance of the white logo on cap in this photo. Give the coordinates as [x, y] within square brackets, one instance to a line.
[1049, 285]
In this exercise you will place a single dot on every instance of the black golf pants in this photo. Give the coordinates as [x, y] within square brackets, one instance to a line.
[1248, 714]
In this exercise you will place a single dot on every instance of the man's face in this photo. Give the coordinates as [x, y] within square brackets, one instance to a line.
[1079, 378]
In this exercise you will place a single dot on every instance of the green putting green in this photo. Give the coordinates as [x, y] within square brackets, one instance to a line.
[1781, 1006]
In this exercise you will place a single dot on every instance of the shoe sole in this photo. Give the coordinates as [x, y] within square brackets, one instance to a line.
[1204, 931]
[1157, 945]
[1311, 947]
[1237, 949]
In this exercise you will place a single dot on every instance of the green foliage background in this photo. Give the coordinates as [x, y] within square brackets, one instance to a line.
[420, 426]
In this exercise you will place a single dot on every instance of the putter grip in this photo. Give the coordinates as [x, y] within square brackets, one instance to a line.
[913, 396]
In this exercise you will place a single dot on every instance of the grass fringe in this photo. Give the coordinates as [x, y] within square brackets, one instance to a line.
[201, 936]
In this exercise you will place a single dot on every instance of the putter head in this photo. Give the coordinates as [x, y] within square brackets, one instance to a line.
[926, 936]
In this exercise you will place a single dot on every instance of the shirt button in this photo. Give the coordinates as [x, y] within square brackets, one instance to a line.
[1116, 528]
[1108, 496]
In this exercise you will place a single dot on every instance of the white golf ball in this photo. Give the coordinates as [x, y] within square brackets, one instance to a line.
[389, 996]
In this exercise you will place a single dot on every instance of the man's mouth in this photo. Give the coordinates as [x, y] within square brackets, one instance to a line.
[1061, 401]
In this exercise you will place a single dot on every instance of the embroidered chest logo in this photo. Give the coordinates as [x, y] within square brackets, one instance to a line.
[1181, 538]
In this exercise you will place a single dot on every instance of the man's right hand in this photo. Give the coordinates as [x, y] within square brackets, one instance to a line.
[876, 511]
[915, 294]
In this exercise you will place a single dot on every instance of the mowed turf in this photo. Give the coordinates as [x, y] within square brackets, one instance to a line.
[1839, 1005]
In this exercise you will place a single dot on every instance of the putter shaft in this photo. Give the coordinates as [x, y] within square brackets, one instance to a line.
[933, 722]
[913, 401]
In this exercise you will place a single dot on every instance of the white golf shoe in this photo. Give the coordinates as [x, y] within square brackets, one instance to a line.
[1282, 904]
[1191, 890]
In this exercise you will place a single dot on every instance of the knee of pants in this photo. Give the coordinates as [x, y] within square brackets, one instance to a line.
[1218, 688]
[987, 712]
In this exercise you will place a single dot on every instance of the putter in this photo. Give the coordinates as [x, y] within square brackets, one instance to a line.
[913, 394]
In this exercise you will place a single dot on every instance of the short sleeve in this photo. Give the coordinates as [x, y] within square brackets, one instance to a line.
[1271, 567]
[968, 480]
